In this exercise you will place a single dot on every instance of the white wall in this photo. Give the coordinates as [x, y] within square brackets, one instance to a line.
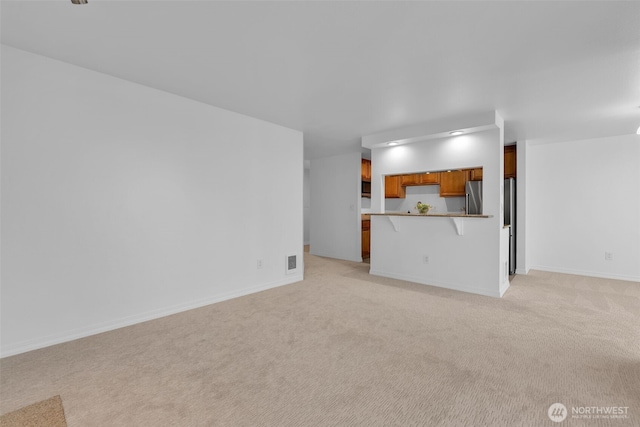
[583, 199]
[523, 261]
[474, 261]
[307, 206]
[121, 203]
[335, 207]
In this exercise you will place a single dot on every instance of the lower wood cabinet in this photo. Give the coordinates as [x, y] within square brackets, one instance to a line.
[366, 237]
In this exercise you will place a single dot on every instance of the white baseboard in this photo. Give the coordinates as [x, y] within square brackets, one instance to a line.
[586, 273]
[453, 286]
[94, 329]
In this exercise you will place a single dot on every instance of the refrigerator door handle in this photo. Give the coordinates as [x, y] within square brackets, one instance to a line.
[466, 203]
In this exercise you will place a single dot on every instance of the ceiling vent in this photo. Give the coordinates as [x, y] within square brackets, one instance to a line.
[79, 1]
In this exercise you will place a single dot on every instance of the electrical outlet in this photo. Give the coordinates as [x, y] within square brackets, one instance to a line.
[259, 264]
[608, 256]
[425, 259]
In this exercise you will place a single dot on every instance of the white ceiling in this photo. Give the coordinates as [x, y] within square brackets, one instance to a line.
[338, 70]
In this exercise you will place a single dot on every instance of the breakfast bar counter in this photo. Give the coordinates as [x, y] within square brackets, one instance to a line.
[447, 215]
[449, 250]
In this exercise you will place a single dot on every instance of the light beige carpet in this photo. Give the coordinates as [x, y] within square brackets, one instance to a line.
[47, 413]
[343, 348]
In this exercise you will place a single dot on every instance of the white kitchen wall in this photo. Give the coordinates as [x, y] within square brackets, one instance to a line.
[458, 152]
[583, 199]
[429, 194]
[335, 207]
[122, 203]
[365, 204]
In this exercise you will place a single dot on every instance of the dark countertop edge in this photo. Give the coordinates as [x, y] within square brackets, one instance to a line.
[438, 215]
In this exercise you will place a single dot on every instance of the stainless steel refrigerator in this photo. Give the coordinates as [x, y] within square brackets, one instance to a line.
[473, 198]
[510, 219]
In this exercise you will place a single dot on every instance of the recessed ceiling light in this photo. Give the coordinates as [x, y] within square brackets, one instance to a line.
[638, 131]
[456, 132]
[392, 143]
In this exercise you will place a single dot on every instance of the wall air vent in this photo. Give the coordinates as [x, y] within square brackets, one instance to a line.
[291, 264]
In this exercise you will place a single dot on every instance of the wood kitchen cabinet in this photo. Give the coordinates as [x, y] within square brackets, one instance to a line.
[393, 188]
[452, 184]
[366, 170]
[421, 179]
[510, 161]
[430, 178]
[475, 174]
[365, 167]
[366, 236]
[413, 179]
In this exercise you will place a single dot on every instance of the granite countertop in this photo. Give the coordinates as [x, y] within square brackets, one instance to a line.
[446, 215]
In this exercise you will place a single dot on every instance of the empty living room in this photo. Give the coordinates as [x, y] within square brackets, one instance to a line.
[319, 213]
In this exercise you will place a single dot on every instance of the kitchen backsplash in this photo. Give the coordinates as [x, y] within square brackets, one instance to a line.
[366, 203]
[426, 194]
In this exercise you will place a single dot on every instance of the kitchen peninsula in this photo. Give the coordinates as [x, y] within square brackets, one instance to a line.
[450, 250]
[432, 215]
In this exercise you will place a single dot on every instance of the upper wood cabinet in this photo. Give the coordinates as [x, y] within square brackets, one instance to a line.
[393, 188]
[430, 178]
[413, 179]
[452, 184]
[421, 179]
[475, 174]
[510, 161]
[366, 170]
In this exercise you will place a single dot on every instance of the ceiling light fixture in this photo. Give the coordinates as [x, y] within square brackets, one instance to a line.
[638, 131]
[79, 1]
[456, 132]
[392, 143]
